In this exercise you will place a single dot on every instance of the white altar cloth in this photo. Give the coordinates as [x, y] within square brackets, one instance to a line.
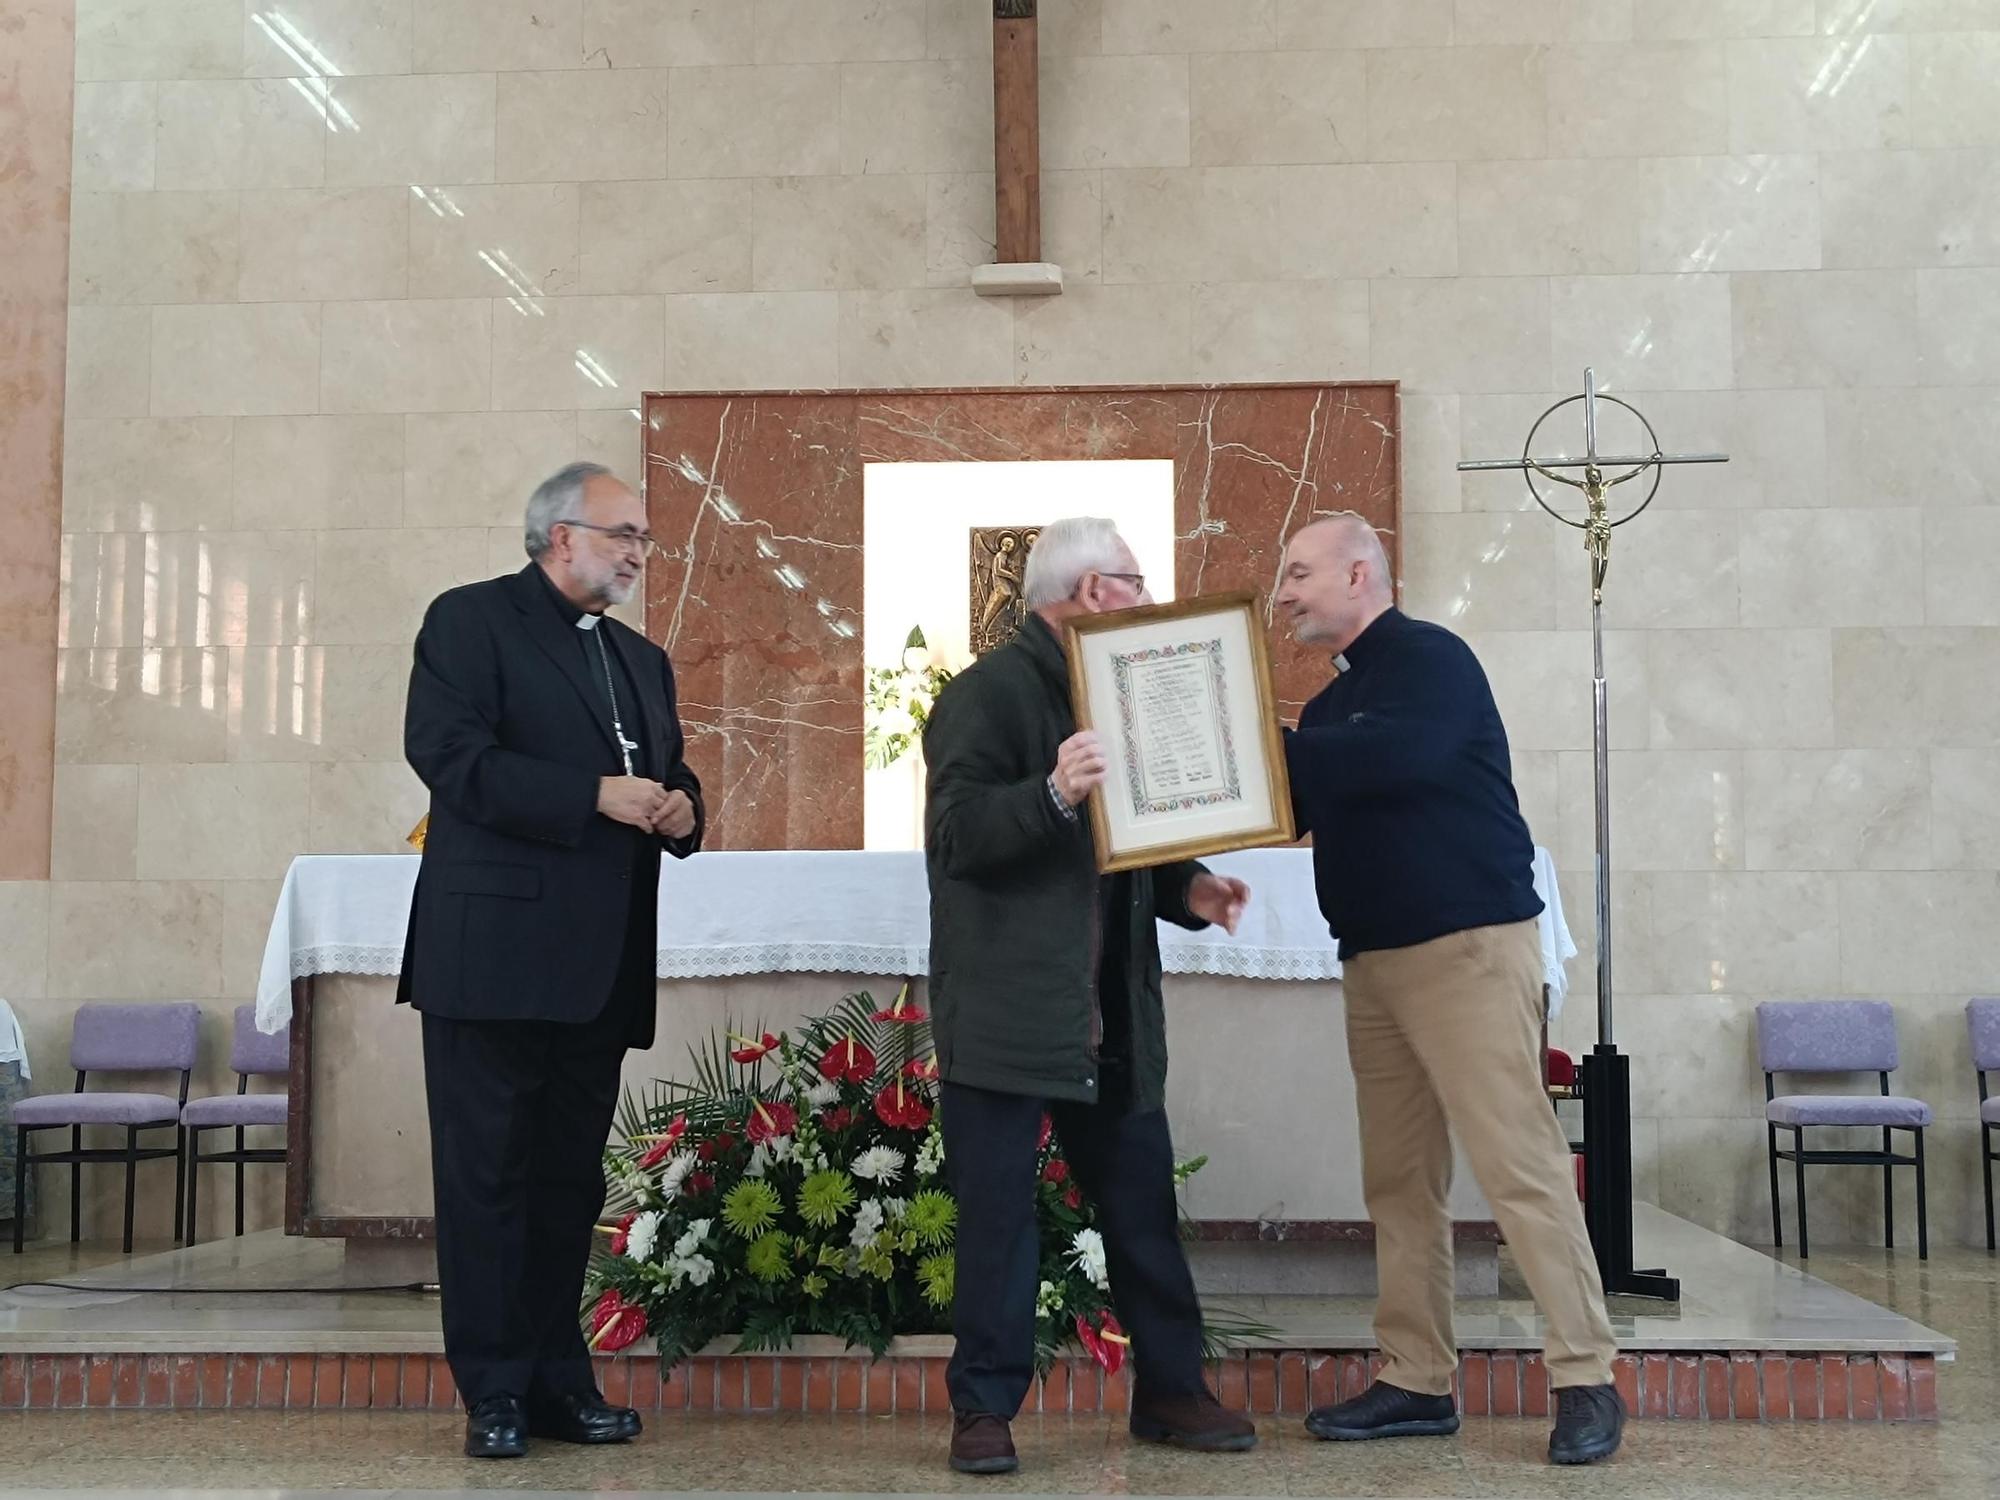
[792, 911]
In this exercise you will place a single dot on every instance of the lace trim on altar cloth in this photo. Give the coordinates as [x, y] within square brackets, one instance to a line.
[736, 959]
[346, 958]
[1229, 961]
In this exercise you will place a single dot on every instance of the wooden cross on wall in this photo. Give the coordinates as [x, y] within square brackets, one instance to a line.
[1018, 267]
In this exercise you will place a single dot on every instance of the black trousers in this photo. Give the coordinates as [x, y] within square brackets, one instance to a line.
[1125, 1165]
[520, 1112]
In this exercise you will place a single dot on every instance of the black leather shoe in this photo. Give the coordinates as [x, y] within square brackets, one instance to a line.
[1590, 1422]
[582, 1419]
[496, 1427]
[1384, 1411]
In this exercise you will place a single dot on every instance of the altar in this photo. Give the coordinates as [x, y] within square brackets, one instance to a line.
[1259, 1085]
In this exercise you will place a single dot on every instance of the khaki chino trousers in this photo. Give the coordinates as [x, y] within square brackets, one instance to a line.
[1445, 1037]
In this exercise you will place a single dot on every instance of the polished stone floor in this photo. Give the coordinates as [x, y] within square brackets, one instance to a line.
[1957, 1293]
[1734, 1298]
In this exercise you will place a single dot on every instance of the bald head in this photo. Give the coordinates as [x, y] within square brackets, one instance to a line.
[1335, 581]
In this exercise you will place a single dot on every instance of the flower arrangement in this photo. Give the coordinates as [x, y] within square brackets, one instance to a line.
[898, 701]
[796, 1187]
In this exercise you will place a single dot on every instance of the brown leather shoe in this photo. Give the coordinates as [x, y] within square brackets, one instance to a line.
[1196, 1421]
[982, 1443]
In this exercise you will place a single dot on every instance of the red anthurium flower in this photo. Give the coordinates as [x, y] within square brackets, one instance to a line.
[621, 1233]
[923, 1069]
[900, 1010]
[902, 1108]
[664, 1143]
[847, 1061]
[615, 1323]
[770, 1119]
[1056, 1171]
[1048, 1130]
[836, 1119]
[1073, 1198]
[1105, 1342]
[750, 1051]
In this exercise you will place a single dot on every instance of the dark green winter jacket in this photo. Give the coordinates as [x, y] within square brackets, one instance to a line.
[1019, 914]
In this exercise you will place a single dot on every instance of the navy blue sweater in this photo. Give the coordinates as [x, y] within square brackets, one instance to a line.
[1400, 773]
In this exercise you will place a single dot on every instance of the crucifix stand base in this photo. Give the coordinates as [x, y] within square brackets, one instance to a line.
[1032, 278]
[1607, 1177]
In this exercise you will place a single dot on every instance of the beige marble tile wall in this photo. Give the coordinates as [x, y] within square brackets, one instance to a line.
[348, 274]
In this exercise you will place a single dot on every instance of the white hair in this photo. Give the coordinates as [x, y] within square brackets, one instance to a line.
[556, 499]
[1064, 552]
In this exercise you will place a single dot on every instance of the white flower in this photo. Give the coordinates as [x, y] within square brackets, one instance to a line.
[883, 1164]
[895, 1208]
[930, 1155]
[674, 1173]
[760, 1160]
[1048, 1299]
[895, 719]
[783, 1148]
[641, 1237]
[867, 1224]
[686, 1245]
[1087, 1250]
[697, 1269]
[823, 1093]
[916, 659]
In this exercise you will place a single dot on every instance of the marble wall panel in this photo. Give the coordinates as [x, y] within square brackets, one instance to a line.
[759, 500]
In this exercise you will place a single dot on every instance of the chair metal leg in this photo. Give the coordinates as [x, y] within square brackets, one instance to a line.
[75, 1186]
[1799, 1162]
[131, 1180]
[1923, 1218]
[180, 1184]
[193, 1180]
[1888, 1197]
[1777, 1219]
[239, 1182]
[21, 1165]
[1986, 1163]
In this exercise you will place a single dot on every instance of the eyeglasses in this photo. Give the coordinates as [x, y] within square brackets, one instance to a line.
[622, 536]
[1137, 580]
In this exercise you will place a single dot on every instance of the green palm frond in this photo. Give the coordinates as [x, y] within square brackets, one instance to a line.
[1224, 1330]
[714, 1074]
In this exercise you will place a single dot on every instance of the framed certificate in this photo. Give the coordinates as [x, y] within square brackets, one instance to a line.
[1181, 695]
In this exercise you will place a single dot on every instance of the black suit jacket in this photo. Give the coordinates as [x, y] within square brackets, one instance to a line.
[526, 897]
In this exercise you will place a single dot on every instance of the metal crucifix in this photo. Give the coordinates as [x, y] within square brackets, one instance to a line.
[1607, 1081]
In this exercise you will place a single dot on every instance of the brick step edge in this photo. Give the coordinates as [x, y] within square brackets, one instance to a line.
[1724, 1386]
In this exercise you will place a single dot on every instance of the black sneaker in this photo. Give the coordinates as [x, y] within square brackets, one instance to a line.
[1384, 1411]
[1590, 1420]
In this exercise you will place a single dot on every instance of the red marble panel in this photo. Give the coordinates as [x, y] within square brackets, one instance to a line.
[757, 498]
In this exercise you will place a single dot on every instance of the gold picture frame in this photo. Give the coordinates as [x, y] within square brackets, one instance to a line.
[1182, 697]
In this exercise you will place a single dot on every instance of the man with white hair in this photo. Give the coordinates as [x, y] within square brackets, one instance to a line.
[1045, 990]
[1401, 774]
[548, 735]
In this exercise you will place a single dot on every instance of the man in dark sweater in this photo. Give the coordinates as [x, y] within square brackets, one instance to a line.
[1400, 772]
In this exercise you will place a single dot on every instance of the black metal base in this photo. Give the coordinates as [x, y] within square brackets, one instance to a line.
[1606, 1081]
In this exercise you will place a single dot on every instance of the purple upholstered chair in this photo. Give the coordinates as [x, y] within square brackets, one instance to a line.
[250, 1053]
[115, 1039]
[1982, 1018]
[1838, 1036]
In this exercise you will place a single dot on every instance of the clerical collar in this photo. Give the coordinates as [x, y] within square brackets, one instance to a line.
[1378, 630]
[581, 619]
